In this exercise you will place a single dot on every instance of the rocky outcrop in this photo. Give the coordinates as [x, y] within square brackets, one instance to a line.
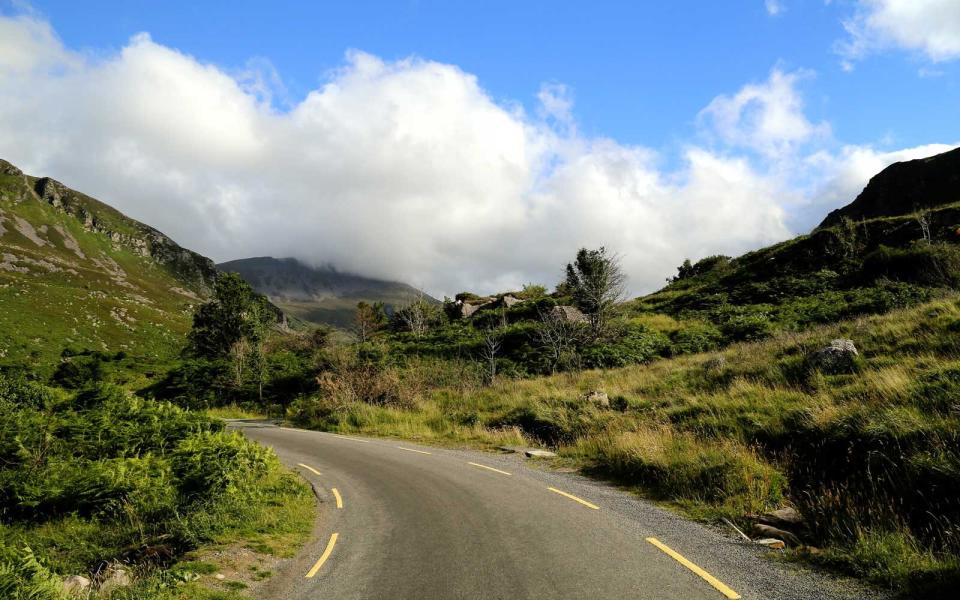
[199, 271]
[905, 187]
[839, 357]
[568, 314]
[8, 169]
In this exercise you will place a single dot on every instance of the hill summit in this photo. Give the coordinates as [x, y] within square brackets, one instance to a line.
[317, 294]
[904, 188]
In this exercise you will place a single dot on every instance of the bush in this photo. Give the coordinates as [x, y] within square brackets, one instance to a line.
[922, 263]
[695, 337]
[25, 577]
[210, 464]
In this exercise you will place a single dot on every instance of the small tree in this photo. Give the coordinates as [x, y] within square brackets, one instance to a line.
[368, 319]
[417, 316]
[597, 282]
[923, 219]
[491, 345]
[560, 338]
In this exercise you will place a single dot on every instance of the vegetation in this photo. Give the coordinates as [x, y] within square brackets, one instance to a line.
[94, 477]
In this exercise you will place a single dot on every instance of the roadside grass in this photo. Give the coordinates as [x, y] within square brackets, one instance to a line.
[232, 412]
[870, 457]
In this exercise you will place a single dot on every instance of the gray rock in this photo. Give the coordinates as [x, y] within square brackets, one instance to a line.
[568, 314]
[598, 398]
[75, 584]
[537, 453]
[8, 169]
[772, 543]
[839, 357]
[773, 532]
[113, 577]
[785, 517]
[509, 300]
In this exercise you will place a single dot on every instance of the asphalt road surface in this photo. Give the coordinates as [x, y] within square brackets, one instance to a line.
[404, 521]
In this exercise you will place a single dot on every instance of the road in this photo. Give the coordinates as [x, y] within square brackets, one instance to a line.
[401, 521]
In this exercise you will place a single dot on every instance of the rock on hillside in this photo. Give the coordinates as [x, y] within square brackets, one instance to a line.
[317, 294]
[904, 187]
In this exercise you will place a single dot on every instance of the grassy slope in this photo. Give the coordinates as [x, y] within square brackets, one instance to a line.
[870, 458]
[64, 299]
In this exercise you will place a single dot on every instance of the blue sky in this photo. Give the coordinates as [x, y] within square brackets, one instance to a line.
[638, 70]
[476, 145]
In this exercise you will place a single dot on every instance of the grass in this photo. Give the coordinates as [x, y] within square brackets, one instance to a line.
[869, 457]
[232, 411]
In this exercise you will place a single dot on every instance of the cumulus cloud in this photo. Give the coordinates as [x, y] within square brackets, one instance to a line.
[774, 7]
[406, 170]
[930, 27]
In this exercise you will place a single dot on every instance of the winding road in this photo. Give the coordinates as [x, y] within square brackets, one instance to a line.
[404, 521]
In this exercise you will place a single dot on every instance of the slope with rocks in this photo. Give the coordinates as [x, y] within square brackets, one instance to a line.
[318, 295]
[77, 273]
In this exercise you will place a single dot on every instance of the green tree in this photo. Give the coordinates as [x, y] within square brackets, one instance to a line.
[596, 282]
[235, 313]
[369, 319]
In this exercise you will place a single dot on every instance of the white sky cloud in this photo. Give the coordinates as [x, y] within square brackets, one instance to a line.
[774, 7]
[930, 27]
[405, 170]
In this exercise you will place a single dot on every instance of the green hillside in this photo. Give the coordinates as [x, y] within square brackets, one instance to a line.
[75, 273]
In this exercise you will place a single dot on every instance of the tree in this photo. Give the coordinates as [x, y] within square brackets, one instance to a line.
[596, 282]
[368, 319]
[491, 344]
[417, 316]
[559, 337]
[235, 312]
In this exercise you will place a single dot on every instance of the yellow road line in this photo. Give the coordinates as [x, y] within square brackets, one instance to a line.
[352, 439]
[309, 468]
[575, 499]
[413, 450]
[336, 495]
[716, 583]
[488, 468]
[323, 557]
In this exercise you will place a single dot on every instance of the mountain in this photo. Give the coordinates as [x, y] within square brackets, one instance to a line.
[77, 273]
[317, 294]
[904, 188]
[875, 254]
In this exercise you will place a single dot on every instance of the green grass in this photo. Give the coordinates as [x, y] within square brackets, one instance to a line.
[871, 458]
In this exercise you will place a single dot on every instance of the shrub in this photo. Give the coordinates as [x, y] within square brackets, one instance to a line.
[923, 263]
[25, 577]
[209, 464]
[695, 337]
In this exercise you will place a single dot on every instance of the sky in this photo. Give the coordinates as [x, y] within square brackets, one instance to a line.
[476, 145]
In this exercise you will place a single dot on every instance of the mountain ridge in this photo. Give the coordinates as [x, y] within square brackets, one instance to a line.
[318, 295]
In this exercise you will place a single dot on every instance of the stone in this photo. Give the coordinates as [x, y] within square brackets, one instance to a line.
[598, 398]
[467, 310]
[75, 584]
[783, 517]
[509, 300]
[772, 532]
[537, 453]
[220, 576]
[113, 577]
[568, 314]
[772, 543]
[839, 357]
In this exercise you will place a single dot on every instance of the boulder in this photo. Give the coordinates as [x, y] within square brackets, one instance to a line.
[114, 576]
[75, 584]
[785, 517]
[768, 531]
[598, 398]
[537, 453]
[839, 357]
[509, 301]
[568, 314]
